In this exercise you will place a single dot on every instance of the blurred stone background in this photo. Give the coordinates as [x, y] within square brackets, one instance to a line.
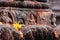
[55, 6]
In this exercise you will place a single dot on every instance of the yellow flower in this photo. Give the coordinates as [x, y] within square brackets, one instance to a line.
[17, 26]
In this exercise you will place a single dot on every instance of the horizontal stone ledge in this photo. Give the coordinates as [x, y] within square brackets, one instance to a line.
[25, 4]
[22, 9]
